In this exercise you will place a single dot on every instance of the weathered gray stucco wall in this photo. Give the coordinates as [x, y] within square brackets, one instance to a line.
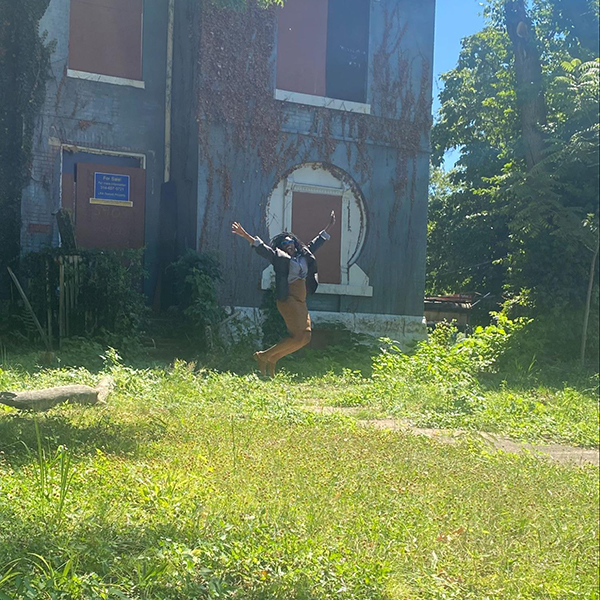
[386, 154]
[100, 116]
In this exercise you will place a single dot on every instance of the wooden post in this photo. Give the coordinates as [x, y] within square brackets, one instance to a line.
[588, 302]
[61, 298]
[68, 294]
[40, 329]
[76, 286]
[48, 300]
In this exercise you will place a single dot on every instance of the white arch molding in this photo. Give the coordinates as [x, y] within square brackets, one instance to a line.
[314, 178]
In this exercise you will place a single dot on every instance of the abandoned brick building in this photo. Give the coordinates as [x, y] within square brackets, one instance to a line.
[167, 119]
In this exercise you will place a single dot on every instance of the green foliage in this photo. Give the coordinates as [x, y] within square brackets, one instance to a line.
[112, 289]
[490, 381]
[467, 239]
[446, 366]
[61, 463]
[555, 333]
[196, 484]
[448, 355]
[496, 226]
[109, 303]
[196, 275]
[554, 207]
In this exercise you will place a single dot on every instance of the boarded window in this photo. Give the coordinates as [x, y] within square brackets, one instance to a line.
[106, 37]
[302, 47]
[322, 48]
[309, 209]
[109, 225]
[117, 224]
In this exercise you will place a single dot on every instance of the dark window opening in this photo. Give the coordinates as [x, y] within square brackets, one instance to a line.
[323, 48]
[348, 49]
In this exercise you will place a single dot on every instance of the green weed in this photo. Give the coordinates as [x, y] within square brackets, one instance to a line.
[456, 381]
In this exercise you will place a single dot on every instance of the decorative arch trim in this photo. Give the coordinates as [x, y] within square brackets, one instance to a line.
[324, 180]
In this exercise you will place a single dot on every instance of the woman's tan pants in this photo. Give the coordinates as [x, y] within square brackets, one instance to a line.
[295, 314]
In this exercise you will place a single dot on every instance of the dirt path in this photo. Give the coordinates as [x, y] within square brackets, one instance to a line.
[559, 453]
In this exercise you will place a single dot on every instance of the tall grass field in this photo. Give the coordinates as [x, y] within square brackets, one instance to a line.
[196, 483]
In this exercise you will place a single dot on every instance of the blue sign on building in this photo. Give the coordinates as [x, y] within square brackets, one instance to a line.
[112, 189]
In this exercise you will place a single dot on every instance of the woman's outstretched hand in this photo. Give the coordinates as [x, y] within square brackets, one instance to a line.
[239, 230]
[331, 221]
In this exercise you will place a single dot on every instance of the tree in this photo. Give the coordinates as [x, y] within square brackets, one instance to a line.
[467, 239]
[528, 173]
[468, 229]
[579, 20]
[560, 194]
[528, 74]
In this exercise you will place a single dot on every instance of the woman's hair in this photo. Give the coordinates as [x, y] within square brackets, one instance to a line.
[276, 242]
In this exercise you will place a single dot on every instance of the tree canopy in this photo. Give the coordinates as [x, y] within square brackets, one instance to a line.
[518, 215]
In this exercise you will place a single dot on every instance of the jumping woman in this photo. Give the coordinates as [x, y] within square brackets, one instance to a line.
[295, 276]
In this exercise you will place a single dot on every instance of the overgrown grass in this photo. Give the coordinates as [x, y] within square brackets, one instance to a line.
[531, 411]
[199, 484]
[466, 383]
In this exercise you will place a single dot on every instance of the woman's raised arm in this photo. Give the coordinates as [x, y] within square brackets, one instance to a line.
[323, 236]
[331, 221]
[237, 229]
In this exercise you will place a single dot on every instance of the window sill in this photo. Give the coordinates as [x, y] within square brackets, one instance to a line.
[340, 289]
[135, 83]
[322, 101]
[335, 289]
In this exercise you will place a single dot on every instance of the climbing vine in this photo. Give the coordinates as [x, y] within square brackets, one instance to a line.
[24, 66]
[237, 68]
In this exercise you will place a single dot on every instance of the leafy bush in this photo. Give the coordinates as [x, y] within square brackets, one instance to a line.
[112, 287]
[550, 335]
[196, 275]
[450, 356]
[442, 371]
[107, 301]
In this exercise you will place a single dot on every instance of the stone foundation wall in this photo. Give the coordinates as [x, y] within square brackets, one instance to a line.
[246, 322]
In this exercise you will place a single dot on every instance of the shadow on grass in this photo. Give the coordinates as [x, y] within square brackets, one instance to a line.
[19, 445]
[304, 364]
[554, 377]
[157, 558]
[330, 352]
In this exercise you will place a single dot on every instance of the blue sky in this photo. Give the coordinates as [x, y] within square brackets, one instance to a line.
[455, 19]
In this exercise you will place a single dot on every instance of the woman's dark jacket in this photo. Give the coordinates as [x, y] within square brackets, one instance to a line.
[281, 264]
